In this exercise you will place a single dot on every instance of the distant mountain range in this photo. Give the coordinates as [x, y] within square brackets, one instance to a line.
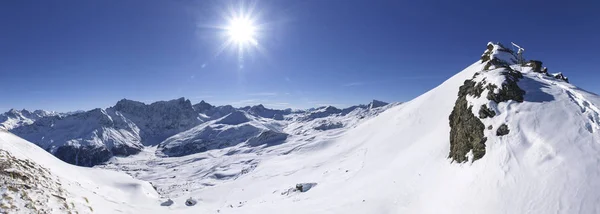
[176, 126]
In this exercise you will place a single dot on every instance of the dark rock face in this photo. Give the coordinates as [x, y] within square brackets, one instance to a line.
[502, 130]
[90, 156]
[535, 65]
[485, 112]
[466, 130]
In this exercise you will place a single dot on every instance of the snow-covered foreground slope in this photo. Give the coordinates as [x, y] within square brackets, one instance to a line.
[398, 161]
[35, 181]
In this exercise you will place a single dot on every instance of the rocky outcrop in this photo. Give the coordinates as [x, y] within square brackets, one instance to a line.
[467, 130]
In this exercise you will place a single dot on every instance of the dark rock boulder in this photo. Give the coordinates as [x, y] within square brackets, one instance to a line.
[190, 202]
[502, 130]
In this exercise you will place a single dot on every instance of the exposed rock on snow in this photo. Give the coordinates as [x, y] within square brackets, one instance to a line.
[190, 202]
[466, 133]
[167, 203]
[502, 130]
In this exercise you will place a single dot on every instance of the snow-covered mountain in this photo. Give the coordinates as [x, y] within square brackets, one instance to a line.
[15, 118]
[178, 127]
[497, 137]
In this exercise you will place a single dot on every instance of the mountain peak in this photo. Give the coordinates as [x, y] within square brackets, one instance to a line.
[376, 104]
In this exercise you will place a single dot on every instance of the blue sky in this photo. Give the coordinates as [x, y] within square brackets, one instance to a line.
[70, 55]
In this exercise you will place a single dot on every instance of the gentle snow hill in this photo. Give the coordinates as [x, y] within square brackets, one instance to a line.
[398, 161]
[34, 181]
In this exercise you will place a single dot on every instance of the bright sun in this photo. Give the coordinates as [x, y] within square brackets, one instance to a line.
[242, 31]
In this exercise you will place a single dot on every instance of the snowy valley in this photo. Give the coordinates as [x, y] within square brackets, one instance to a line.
[500, 136]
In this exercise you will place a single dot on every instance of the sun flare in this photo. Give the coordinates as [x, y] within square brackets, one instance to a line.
[242, 31]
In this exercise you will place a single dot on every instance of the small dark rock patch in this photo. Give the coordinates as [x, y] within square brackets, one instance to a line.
[190, 202]
[502, 130]
[490, 127]
[485, 112]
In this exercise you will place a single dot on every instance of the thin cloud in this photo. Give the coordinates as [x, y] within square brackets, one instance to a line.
[265, 94]
[352, 84]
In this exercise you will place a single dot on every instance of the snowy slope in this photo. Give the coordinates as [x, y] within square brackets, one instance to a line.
[398, 161]
[497, 137]
[35, 181]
